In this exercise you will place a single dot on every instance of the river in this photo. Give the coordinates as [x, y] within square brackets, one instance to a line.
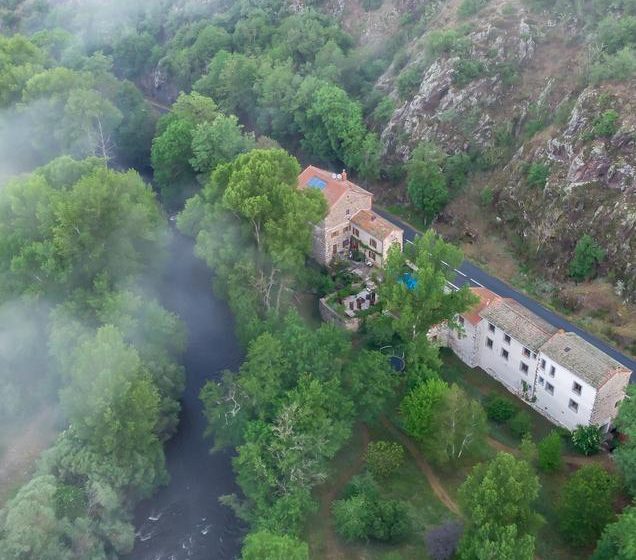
[185, 520]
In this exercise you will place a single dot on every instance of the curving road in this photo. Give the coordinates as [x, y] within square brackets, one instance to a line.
[470, 274]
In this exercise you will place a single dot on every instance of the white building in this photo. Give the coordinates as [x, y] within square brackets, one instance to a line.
[559, 374]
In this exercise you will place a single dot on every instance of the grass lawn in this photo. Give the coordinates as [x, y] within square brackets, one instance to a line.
[410, 215]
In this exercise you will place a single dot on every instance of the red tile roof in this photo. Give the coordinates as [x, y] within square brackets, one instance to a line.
[374, 224]
[334, 188]
[486, 297]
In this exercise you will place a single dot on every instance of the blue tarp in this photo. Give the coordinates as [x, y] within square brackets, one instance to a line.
[408, 280]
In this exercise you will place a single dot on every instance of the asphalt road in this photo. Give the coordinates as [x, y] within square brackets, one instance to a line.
[472, 275]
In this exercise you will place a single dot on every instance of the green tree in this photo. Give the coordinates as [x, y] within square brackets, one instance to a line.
[423, 302]
[419, 406]
[384, 458]
[550, 452]
[497, 499]
[587, 256]
[264, 545]
[587, 439]
[537, 174]
[618, 541]
[426, 183]
[606, 125]
[626, 453]
[586, 505]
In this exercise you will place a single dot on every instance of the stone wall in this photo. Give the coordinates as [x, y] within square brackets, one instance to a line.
[329, 315]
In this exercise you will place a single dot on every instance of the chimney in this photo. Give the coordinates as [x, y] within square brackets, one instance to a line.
[344, 174]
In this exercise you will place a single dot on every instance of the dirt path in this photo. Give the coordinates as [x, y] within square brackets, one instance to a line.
[436, 485]
[576, 460]
[334, 551]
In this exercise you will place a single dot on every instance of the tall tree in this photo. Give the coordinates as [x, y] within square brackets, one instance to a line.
[618, 541]
[626, 453]
[426, 181]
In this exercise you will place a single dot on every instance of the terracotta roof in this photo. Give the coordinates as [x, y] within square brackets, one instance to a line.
[519, 322]
[582, 358]
[332, 188]
[486, 297]
[374, 224]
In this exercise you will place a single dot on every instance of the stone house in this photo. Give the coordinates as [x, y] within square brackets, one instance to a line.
[559, 374]
[348, 204]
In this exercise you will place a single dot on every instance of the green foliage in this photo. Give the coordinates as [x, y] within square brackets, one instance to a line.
[384, 458]
[363, 515]
[486, 197]
[586, 505]
[550, 452]
[446, 422]
[370, 5]
[499, 409]
[446, 41]
[587, 256]
[497, 499]
[408, 82]
[606, 125]
[617, 67]
[520, 424]
[587, 439]
[465, 70]
[625, 455]
[537, 174]
[426, 184]
[264, 545]
[469, 8]
[528, 449]
[618, 541]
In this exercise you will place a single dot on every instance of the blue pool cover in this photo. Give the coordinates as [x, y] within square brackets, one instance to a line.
[317, 183]
[408, 280]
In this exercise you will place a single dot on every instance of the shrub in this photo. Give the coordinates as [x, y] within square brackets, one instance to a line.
[537, 174]
[390, 520]
[470, 7]
[486, 197]
[520, 424]
[586, 505]
[408, 82]
[587, 256]
[466, 70]
[616, 67]
[384, 458]
[606, 125]
[528, 449]
[587, 439]
[446, 41]
[442, 541]
[499, 409]
[550, 450]
[352, 518]
[371, 5]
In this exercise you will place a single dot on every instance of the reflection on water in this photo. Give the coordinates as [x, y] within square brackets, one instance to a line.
[185, 519]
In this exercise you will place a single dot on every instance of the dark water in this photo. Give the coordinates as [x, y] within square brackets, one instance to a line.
[185, 520]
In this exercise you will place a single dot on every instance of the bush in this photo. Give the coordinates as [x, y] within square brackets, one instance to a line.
[486, 197]
[470, 7]
[384, 458]
[616, 67]
[446, 41]
[587, 439]
[499, 409]
[550, 450]
[520, 424]
[587, 256]
[371, 5]
[537, 174]
[352, 518]
[586, 505]
[442, 541]
[390, 520]
[408, 82]
[606, 125]
[466, 70]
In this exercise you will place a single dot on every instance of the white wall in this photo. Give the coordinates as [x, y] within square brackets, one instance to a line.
[557, 406]
[464, 345]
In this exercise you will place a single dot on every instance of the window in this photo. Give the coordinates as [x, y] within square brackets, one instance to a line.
[504, 354]
[542, 366]
[356, 232]
[552, 370]
[460, 320]
[372, 255]
[373, 243]
[524, 367]
[549, 388]
[534, 356]
[334, 233]
[491, 327]
[335, 249]
[346, 229]
[507, 338]
[348, 211]
[345, 243]
[573, 405]
[577, 388]
[541, 380]
[489, 343]
[526, 352]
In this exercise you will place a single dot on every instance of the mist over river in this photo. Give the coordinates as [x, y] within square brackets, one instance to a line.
[185, 520]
